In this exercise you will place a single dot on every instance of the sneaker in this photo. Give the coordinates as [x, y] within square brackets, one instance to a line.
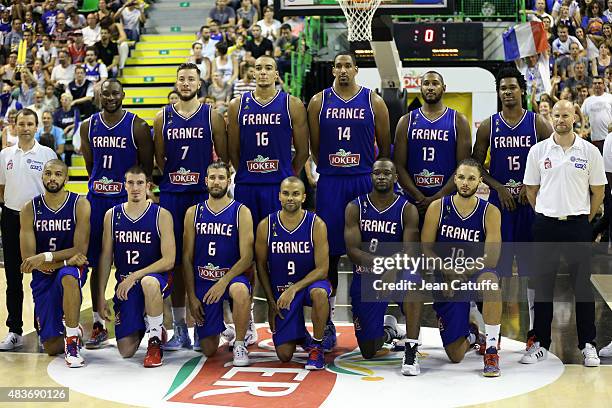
[316, 358]
[491, 363]
[11, 342]
[196, 340]
[606, 351]
[531, 338]
[72, 347]
[392, 329]
[307, 343]
[534, 354]
[329, 337]
[229, 335]
[589, 352]
[241, 356]
[99, 337]
[180, 339]
[481, 340]
[155, 353]
[410, 364]
[251, 336]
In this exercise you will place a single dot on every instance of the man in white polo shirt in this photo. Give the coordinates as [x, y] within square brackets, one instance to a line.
[565, 182]
[21, 169]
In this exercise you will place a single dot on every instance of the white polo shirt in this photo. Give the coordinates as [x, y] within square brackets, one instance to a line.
[21, 173]
[564, 177]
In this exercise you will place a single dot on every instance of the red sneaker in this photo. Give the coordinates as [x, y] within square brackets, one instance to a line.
[155, 355]
[531, 339]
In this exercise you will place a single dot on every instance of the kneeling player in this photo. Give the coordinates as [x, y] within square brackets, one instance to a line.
[54, 237]
[139, 238]
[381, 217]
[217, 249]
[292, 264]
[449, 220]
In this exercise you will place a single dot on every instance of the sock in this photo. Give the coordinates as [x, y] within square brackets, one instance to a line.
[492, 334]
[531, 304]
[252, 316]
[72, 331]
[98, 319]
[471, 339]
[239, 343]
[332, 307]
[155, 325]
[317, 341]
[178, 315]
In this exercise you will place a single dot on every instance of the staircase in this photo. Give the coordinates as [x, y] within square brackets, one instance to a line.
[150, 71]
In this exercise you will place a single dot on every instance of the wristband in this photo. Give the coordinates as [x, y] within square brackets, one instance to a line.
[48, 257]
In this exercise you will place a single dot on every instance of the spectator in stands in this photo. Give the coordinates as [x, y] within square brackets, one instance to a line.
[203, 64]
[131, 18]
[24, 93]
[227, 66]
[269, 26]
[47, 53]
[258, 45]
[9, 132]
[91, 33]
[95, 72]
[544, 111]
[560, 46]
[108, 52]
[606, 33]
[29, 24]
[215, 33]
[7, 71]
[60, 31]
[550, 37]
[5, 21]
[608, 78]
[30, 53]
[286, 44]
[538, 13]
[63, 73]
[573, 10]
[11, 40]
[247, 13]
[222, 91]
[38, 106]
[75, 20]
[118, 36]
[578, 76]
[226, 16]
[173, 97]
[582, 92]
[210, 100]
[608, 11]
[237, 50]
[247, 83]
[103, 10]
[297, 24]
[37, 75]
[208, 44]
[602, 61]
[77, 48]
[598, 109]
[67, 118]
[562, 65]
[594, 19]
[567, 20]
[587, 43]
[82, 91]
[50, 132]
[50, 101]
[49, 16]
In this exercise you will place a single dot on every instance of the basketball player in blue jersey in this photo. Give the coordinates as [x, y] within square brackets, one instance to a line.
[217, 250]
[292, 262]
[465, 219]
[186, 134]
[347, 123]
[139, 240]
[54, 236]
[112, 141]
[429, 142]
[378, 218]
[510, 134]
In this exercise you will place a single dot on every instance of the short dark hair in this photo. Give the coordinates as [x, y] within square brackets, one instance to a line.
[204, 26]
[91, 48]
[471, 163]
[57, 162]
[136, 169]
[285, 27]
[79, 67]
[219, 164]
[510, 71]
[188, 65]
[350, 54]
[594, 77]
[27, 112]
[434, 73]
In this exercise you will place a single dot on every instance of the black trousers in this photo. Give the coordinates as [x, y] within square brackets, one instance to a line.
[570, 239]
[9, 225]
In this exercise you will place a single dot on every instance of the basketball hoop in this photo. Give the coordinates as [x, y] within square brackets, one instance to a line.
[359, 15]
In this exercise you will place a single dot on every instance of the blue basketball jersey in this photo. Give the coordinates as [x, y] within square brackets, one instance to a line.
[188, 145]
[509, 149]
[452, 227]
[217, 244]
[290, 253]
[432, 149]
[136, 243]
[266, 135]
[347, 134]
[380, 226]
[114, 151]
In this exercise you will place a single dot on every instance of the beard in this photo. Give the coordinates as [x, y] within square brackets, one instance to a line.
[219, 194]
[468, 194]
[433, 101]
[297, 207]
[117, 107]
[188, 97]
[54, 189]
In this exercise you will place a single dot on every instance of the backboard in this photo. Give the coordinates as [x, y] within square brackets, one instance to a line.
[332, 8]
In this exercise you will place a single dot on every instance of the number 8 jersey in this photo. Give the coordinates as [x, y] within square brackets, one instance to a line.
[136, 243]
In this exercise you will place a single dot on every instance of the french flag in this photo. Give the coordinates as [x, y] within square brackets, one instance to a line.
[524, 40]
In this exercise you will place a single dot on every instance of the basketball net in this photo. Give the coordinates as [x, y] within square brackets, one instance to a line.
[359, 15]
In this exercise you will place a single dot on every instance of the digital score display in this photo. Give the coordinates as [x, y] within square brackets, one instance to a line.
[438, 41]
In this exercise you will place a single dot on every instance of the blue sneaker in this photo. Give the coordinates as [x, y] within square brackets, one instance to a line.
[329, 337]
[307, 342]
[180, 339]
[316, 359]
[196, 340]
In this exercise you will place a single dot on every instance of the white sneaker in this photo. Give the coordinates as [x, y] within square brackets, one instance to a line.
[396, 333]
[11, 342]
[590, 356]
[410, 363]
[251, 336]
[241, 356]
[229, 335]
[534, 354]
[72, 352]
[606, 351]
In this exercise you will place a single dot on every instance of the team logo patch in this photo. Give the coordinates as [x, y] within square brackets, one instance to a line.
[514, 187]
[211, 272]
[427, 178]
[35, 165]
[184, 177]
[547, 163]
[107, 186]
[9, 165]
[262, 165]
[343, 158]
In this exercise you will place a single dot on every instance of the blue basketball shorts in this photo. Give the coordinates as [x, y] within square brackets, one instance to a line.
[261, 199]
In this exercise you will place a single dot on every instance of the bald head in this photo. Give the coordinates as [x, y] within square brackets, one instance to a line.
[293, 180]
[563, 117]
